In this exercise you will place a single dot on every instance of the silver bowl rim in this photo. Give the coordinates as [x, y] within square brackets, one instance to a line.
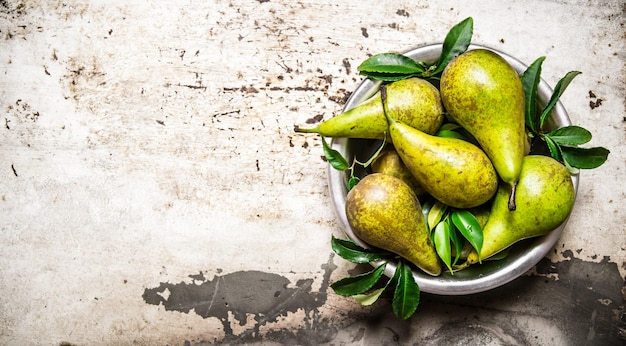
[447, 284]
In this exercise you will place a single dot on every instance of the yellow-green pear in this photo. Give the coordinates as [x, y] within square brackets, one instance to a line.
[545, 197]
[484, 94]
[389, 162]
[383, 211]
[414, 101]
[455, 172]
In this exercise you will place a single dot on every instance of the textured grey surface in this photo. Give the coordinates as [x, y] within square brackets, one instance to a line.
[152, 190]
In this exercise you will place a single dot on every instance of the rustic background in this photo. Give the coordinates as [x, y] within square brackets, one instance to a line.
[152, 190]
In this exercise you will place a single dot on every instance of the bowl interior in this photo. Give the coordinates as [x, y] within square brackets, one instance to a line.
[476, 278]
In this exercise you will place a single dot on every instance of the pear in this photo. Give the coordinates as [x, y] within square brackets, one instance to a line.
[383, 211]
[414, 101]
[545, 197]
[484, 94]
[389, 162]
[455, 172]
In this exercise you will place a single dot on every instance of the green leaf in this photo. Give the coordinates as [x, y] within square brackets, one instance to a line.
[442, 243]
[450, 126]
[456, 240]
[406, 296]
[435, 214]
[370, 298]
[530, 81]
[426, 207]
[352, 182]
[584, 158]
[469, 227]
[570, 169]
[358, 284]
[334, 157]
[555, 152]
[560, 87]
[456, 42]
[354, 253]
[388, 77]
[570, 135]
[391, 64]
[451, 134]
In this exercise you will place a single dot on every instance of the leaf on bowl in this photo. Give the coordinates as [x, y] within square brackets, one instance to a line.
[530, 81]
[435, 214]
[559, 88]
[456, 42]
[333, 157]
[469, 227]
[390, 63]
[441, 238]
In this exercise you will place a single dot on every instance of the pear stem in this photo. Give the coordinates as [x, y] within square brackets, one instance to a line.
[512, 205]
[297, 128]
[383, 98]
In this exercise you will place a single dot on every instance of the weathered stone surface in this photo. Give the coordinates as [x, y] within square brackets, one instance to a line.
[147, 149]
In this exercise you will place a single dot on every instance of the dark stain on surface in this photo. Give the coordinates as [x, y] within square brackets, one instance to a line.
[266, 296]
[578, 302]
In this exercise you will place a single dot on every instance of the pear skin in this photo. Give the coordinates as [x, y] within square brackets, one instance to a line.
[414, 101]
[389, 162]
[455, 172]
[484, 94]
[545, 198]
[384, 212]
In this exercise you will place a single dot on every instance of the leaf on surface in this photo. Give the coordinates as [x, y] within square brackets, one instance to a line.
[358, 284]
[570, 135]
[406, 296]
[354, 253]
[370, 298]
[584, 158]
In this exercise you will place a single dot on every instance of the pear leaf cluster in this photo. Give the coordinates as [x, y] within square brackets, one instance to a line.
[563, 143]
[390, 67]
[452, 227]
[363, 287]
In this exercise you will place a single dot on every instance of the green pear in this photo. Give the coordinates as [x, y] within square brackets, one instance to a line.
[484, 94]
[414, 101]
[455, 172]
[545, 197]
[383, 211]
[389, 162]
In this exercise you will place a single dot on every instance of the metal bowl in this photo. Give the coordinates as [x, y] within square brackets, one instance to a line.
[479, 277]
